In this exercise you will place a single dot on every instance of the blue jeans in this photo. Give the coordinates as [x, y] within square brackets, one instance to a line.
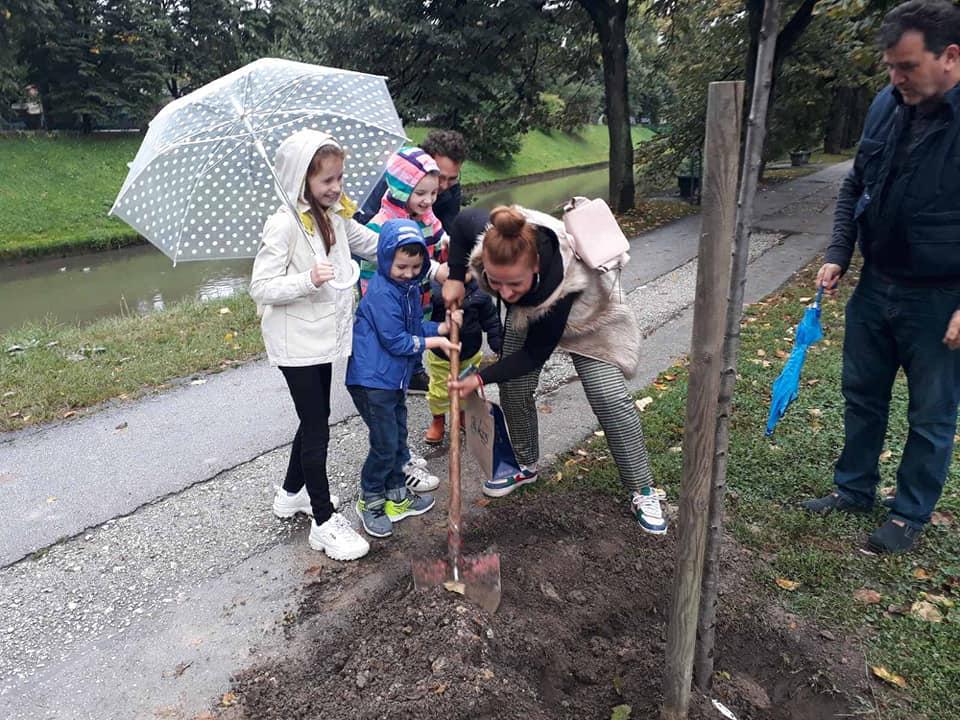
[385, 414]
[889, 326]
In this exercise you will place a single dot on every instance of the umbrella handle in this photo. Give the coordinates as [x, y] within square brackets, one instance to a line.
[816, 302]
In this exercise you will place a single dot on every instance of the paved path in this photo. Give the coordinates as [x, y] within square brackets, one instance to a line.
[139, 565]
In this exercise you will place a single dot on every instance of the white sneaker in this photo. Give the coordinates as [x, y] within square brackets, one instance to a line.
[646, 509]
[415, 461]
[337, 538]
[419, 479]
[285, 506]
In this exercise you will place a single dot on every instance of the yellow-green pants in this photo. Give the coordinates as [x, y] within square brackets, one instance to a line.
[438, 398]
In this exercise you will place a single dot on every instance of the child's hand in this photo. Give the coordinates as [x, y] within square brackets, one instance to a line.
[441, 343]
[321, 272]
[455, 316]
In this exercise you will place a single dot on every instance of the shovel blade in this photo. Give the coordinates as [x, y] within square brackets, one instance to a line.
[479, 578]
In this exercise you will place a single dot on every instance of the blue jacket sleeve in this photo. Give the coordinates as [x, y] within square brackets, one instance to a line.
[387, 321]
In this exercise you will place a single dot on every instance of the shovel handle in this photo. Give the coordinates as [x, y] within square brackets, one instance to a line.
[453, 512]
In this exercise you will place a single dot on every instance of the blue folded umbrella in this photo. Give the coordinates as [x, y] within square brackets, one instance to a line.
[787, 385]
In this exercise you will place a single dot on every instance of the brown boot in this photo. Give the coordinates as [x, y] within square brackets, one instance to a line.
[434, 433]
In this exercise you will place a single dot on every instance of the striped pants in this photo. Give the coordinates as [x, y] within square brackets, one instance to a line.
[607, 394]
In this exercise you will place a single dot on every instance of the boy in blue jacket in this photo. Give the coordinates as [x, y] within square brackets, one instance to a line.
[389, 336]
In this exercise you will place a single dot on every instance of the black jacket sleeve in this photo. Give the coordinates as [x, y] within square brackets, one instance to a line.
[371, 205]
[543, 336]
[465, 230]
[447, 206]
[844, 238]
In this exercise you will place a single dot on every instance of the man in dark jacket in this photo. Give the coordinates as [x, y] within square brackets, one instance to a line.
[901, 201]
[449, 150]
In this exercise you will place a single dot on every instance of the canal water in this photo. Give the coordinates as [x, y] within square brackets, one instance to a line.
[82, 288]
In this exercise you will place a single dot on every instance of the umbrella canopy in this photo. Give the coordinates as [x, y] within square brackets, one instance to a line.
[787, 385]
[202, 185]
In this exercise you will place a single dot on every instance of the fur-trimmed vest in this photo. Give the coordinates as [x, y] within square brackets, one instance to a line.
[600, 325]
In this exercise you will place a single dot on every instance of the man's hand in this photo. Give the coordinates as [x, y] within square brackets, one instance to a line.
[952, 337]
[828, 278]
[453, 293]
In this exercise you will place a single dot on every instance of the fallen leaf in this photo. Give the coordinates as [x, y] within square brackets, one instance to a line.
[765, 363]
[866, 596]
[675, 449]
[545, 409]
[228, 699]
[888, 491]
[828, 635]
[886, 455]
[661, 386]
[314, 570]
[815, 412]
[440, 689]
[812, 382]
[940, 600]
[228, 336]
[482, 501]
[52, 499]
[69, 414]
[486, 674]
[761, 353]
[621, 712]
[881, 672]
[224, 311]
[926, 611]
[599, 433]
[805, 299]
[9, 394]
[670, 377]
[121, 426]
[643, 402]
[181, 668]
[942, 518]
[790, 585]
[782, 354]
[198, 381]
[921, 574]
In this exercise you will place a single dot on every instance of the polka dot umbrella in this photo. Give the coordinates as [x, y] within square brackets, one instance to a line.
[202, 185]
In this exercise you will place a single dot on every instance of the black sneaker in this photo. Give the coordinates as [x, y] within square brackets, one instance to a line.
[831, 502]
[894, 536]
[419, 384]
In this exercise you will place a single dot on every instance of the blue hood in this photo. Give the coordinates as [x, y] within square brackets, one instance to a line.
[394, 234]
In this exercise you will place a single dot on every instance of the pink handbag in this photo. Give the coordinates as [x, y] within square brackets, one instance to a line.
[595, 235]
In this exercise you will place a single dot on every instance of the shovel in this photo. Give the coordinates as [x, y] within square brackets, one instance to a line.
[476, 577]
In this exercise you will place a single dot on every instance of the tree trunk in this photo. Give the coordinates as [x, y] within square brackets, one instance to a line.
[753, 158]
[610, 19]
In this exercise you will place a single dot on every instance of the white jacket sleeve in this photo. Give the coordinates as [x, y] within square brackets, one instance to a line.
[362, 240]
[269, 283]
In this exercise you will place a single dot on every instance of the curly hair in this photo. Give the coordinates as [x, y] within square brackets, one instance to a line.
[448, 143]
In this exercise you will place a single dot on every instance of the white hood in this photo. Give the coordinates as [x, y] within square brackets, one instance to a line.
[293, 158]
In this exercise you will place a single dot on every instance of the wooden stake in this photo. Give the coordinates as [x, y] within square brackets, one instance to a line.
[756, 133]
[721, 162]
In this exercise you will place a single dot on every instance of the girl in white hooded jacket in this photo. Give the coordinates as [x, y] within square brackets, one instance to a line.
[307, 324]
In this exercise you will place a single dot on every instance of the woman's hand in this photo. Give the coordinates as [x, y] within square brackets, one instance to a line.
[452, 293]
[466, 386]
[321, 272]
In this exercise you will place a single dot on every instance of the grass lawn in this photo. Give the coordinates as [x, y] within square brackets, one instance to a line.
[59, 369]
[55, 191]
[901, 609]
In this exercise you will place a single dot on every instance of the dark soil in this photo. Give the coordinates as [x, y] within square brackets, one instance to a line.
[580, 630]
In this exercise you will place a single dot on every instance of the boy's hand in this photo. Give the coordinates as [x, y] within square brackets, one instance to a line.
[456, 316]
[444, 344]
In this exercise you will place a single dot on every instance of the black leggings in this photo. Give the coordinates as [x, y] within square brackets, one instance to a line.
[310, 390]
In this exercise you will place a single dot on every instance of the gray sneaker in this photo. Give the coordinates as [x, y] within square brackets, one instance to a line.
[374, 518]
[403, 503]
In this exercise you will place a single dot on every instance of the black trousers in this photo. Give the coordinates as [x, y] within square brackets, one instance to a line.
[310, 390]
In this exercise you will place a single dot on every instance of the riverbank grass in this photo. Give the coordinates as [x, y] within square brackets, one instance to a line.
[904, 610]
[56, 190]
[50, 371]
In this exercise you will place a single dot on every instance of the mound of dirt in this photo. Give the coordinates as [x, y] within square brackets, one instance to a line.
[580, 630]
